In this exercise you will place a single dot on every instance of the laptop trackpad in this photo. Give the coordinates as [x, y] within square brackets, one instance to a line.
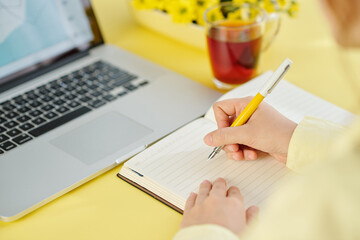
[101, 137]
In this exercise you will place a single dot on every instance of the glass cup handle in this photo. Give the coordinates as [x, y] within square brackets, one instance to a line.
[272, 28]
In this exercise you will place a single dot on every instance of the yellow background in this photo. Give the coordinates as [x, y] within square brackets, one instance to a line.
[107, 207]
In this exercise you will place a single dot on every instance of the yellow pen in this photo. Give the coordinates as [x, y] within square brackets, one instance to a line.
[255, 102]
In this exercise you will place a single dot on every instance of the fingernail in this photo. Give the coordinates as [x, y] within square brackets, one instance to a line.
[208, 139]
[205, 181]
[220, 179]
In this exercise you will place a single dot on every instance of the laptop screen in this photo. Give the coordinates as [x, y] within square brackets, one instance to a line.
[37, 33]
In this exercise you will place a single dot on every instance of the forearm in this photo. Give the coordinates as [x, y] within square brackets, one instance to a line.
[311, 141]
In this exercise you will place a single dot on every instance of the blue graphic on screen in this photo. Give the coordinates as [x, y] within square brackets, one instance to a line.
[33, 25]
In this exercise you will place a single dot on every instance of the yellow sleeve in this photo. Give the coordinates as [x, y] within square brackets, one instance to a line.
[322, 203]
[205, 232]
[312, 140]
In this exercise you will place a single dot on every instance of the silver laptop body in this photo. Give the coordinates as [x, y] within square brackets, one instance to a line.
[67, 148]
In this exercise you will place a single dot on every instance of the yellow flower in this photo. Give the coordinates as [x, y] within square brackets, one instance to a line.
[182, 11]
[246, 1]
[200, 7]
[268, 5]
[283, 3]
[214, 15]
[160, 4]
[293, 9]
[186, 11]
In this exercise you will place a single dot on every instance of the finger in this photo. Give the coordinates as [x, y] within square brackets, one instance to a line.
[230, 135]
[190, 202]
[219, 187]
[204, 190]
[234, 192]
[249, 154]
[231, 148]
[252, 213]
[237, 156]
[228, 108]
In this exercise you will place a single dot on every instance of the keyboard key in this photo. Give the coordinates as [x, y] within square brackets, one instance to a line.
[23, 109]
[96, 94]
[143, 83]
[85, 99]
[73, 104]
[8, 107]
[13, 132]
[123, 80]
[23, 118]
[43, 90]
[70, 88]
[47, 108]
[20, 101]
[107, 88]
[59, 102]
[11, 124]
[2, 129]
[109, 97]
[5, 103]
[38, 121]
[3, 138]
[47, 98]
[1, 151]
[18, 98]
[81, 83]
[35, 104]
[32, 96]
[23, 138]
[120, 94]
[70, 97]
[50, 115]
[62, 109]
[82, 91]
[55, 86]
[35, 113]
[11, 115]
[59, 93]
[92, 86]
[59, 121]
[26, 126]
[97, 103]
[1, 112]
[130, 87]
[7, 146]
[2, 120]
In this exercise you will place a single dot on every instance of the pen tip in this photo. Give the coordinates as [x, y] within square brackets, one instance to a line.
[211, 155]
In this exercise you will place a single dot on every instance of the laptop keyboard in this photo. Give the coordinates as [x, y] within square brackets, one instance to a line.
[51, 105]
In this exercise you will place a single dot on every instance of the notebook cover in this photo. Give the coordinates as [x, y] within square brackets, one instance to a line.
[150, 193]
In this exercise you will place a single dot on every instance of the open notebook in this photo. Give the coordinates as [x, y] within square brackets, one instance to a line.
[175, 166]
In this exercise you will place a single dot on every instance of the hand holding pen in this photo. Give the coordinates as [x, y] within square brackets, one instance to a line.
[267, 130]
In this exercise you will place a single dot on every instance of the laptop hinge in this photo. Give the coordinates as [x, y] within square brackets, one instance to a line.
[17, 81]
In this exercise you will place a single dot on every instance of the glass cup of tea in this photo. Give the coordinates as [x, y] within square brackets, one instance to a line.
[236, 35]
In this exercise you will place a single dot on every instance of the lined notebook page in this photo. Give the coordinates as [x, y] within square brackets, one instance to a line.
[290, 100]
[179, 163]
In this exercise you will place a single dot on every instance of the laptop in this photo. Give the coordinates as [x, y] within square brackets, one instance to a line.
[72, 107]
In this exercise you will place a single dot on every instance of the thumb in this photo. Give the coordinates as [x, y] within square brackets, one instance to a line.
[252, 214]
[229, 135]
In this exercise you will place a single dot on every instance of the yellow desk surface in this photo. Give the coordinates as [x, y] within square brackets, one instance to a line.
[107, 207]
